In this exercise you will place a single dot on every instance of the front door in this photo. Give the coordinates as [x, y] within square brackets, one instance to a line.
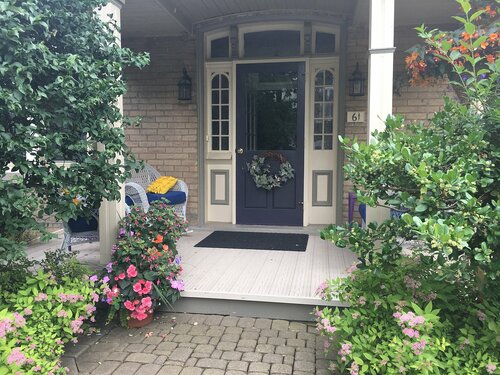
[270, 122]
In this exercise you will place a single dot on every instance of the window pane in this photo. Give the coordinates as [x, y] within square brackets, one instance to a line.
[224, 143]
[325, 42]
[224, 82]
[328, 78]
[220, 47]
[225, 128]
[215, 143]
[215, 82]
[224, 95]
[215, 112]
[317, 142]
[318, 126]
[328, 94]
[328, 110]
[328, 126]
[328, 142]
[224, 112]
[215, 96]
[318, 94]
[272, 43]
[215, 127]
[318, 110]
[320, 78]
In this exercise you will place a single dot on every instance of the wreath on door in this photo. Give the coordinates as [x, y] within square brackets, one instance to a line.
[260, 170]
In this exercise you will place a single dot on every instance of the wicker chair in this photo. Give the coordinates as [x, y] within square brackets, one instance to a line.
[146, 176]
[74, 238]
[137, 194]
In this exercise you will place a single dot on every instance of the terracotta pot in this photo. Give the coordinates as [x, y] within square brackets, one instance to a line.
[135, 323]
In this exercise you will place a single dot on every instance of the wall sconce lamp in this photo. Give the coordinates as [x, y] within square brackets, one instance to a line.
[184, 86]
[356, 83]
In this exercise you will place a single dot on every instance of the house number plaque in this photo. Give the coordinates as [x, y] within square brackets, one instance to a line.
[356, 116]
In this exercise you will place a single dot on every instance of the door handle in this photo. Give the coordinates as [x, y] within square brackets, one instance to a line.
[239, 151]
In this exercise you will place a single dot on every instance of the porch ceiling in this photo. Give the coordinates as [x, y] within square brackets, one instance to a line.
[173, 17]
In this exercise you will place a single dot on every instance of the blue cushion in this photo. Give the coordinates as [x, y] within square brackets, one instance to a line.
[82, 224]
[129, 201]
[174, 197]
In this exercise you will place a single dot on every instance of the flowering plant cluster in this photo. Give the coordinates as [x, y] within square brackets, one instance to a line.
[476, 41]
[145, 267]
[423, 298]
[406, 322]
[39, 318]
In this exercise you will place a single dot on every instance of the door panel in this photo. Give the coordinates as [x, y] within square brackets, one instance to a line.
[270, 118]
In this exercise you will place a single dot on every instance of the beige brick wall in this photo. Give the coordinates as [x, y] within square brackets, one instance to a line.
[416, 103]
[167, 136]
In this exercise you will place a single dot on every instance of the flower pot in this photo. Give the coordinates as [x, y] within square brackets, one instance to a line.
[135, 323]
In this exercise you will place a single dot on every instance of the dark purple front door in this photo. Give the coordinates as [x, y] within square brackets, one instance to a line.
[270, 118]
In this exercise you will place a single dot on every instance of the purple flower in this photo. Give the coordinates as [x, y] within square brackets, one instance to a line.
[177, 260]
[109, 267]
[105, 279]
[122, 232]
[177, 284]
[93, 278]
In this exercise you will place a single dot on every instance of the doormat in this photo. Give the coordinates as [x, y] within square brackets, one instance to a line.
[255, 241]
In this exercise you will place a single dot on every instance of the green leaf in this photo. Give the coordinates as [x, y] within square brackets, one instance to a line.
[421, 207]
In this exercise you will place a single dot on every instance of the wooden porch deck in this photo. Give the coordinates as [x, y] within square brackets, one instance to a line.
[246, 282]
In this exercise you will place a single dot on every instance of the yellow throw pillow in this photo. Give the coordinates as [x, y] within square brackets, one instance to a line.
[162, 185]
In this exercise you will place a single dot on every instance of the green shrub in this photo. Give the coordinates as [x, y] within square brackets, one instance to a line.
[43, 305]
[445, 249]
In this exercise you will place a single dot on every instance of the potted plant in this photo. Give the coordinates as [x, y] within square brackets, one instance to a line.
[145, 268]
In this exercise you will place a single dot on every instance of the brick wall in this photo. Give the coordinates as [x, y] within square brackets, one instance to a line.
[167, 136]
[416, 103]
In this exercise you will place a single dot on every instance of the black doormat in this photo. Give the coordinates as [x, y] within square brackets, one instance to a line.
[255, 241]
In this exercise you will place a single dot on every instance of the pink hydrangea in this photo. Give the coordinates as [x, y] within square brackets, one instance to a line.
[490, 368]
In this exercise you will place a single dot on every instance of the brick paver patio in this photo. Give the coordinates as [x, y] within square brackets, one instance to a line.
[192, 344]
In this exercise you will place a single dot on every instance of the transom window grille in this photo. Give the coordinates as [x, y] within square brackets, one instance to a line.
[220, 112]
[323, 110]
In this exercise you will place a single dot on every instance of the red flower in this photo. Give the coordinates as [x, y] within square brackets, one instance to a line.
[142, 287]
[131, 271]
[121, 276]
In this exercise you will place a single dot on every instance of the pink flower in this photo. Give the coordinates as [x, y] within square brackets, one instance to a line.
[321, 288]
[93, 278]
[129, 305]
[41, 297]
[121, 276]
[131, 271]
[410, 332]
[16, 357]
[28, 311]
[146, 303]
[345, 349]
[62, 314]
[139, 313]
[354, 370]
[490, 368]
[418, 347]
[19, 320]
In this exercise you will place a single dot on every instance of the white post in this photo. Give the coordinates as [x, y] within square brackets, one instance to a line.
[380, 77]
[111, 212]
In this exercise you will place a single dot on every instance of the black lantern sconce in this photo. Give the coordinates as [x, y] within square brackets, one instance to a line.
[356, 83]
[184, 86]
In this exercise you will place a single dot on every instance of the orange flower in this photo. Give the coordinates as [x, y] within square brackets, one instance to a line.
[462, 49]
[490, 58]
[159, 239]
[76, 201]
[489, 11]
[484, 44]
[165, 247]
[465, 36]
[493, 37]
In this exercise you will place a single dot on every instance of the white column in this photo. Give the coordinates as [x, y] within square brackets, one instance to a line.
[380, 77]
[111, 212]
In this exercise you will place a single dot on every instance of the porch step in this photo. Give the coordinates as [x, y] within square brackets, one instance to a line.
[279, 309]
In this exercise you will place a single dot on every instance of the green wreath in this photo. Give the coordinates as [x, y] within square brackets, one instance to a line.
[261, 171]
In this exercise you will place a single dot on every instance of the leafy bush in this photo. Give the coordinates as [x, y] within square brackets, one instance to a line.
[40, 315]
[444, 175]
[60, 77]
[145, 267]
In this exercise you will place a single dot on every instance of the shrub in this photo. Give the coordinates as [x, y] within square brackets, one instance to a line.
[444, 175]
[145, 266]
[39, 316]
[61, 74]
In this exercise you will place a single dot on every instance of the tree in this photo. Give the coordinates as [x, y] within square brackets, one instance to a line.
[61, 74]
